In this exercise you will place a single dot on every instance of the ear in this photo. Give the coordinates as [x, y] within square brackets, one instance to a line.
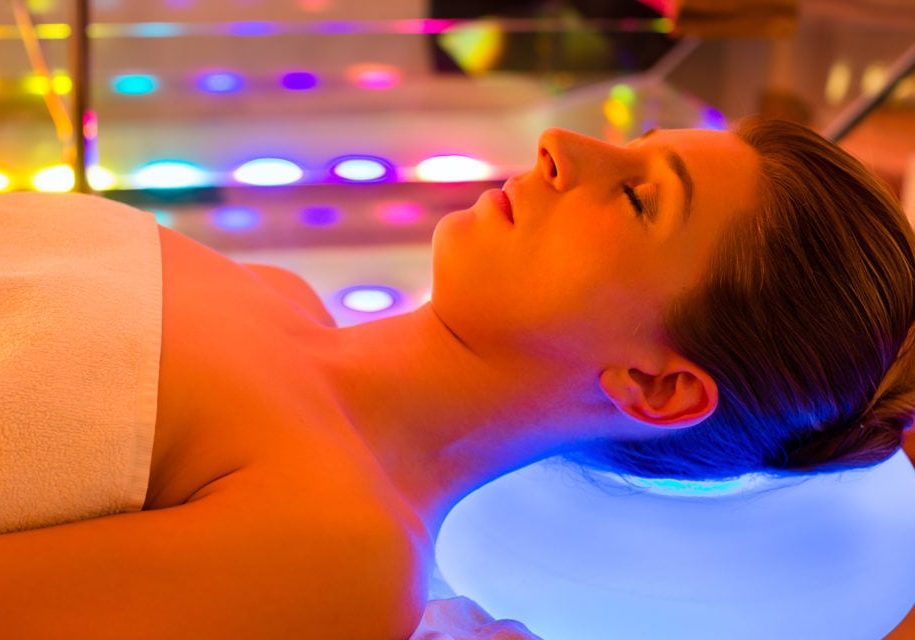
[679, 395]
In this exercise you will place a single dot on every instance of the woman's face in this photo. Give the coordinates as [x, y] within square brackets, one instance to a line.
[602, 239]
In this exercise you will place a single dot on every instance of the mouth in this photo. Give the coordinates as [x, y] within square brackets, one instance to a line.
[504, 203]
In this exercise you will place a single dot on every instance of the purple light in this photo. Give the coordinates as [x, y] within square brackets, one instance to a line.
[299, 81]
[713, 119]
[337, 27]
[252, 29]
[236, 218]
[320, 216]
[221, 82]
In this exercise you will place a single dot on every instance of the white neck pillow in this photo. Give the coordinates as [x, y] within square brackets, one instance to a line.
[827, 557]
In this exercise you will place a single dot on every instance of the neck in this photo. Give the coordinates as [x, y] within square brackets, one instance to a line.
[443, 417]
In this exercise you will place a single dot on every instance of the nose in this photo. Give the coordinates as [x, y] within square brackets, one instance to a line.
[563, 157]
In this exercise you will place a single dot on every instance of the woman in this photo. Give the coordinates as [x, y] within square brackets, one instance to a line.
[640, 304]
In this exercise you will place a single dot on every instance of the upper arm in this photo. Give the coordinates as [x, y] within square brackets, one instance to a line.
[227, 565]
[294, 288]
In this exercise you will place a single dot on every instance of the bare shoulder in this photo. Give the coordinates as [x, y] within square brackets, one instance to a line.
[295, 288]
[241, 560]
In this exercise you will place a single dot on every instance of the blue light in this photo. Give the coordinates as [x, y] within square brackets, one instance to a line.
[362, 169]
[221, 82]
[252, 28]
[299, 81]
[164, 218]
[156, 30]
[170, 174]
[268, 172]
[236, 218]
[137, 84]
[320, 216]
[369, 299]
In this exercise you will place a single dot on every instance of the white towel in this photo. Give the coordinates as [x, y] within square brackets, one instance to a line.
[80, 340]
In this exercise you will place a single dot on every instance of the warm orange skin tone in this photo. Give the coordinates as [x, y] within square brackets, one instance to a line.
[266, 517]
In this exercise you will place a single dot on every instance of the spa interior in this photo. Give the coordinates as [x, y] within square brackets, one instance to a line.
[328, 137]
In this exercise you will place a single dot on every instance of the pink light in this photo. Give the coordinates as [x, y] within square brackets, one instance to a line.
[400, 212]
[374, 76]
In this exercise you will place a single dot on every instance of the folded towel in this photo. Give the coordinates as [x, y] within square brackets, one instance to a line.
[80, 340]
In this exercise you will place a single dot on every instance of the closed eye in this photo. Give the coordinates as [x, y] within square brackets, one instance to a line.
[634, 200]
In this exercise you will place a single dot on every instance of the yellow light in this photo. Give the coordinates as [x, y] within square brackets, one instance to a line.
[38, 85]
[35, 85]
[838, 82]
[57, 179]
[617, 114]
[62, 84]
[40, 6]
[4, 182]
[52, 31]
[101, 179]
[873, 79]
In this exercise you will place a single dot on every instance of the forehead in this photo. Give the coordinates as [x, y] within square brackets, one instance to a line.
[724, 169]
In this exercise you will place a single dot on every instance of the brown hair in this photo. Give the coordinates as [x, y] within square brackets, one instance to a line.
[803, 320]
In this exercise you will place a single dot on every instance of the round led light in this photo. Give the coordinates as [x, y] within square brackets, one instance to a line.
[453, 169]
[362, 169]
[236, 218]
[221, 82]
[369, 299]
[268, 172]
[57, 179]
[135, 84]
[100, 178]
[170, 174]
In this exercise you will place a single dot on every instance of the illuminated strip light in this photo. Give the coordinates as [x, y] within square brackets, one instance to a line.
[420, 26]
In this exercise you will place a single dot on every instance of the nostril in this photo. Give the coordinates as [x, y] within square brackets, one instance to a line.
[548, 161]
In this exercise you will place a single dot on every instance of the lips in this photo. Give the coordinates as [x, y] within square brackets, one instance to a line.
[503, 203]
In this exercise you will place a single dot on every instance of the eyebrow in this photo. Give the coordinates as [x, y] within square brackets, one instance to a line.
[676, 164]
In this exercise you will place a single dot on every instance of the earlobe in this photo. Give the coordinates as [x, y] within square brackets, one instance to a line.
[673, 399]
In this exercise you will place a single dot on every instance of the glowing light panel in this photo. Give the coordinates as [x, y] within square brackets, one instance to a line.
[369, 299]
[221, 82]
[170, 174]
[135, 84]
[362, 169]
[268, 172]
[56, 179]
[5, 182]
[236, 218]
[453, 168]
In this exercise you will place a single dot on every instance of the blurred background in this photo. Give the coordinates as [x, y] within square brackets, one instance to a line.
[329, 136]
